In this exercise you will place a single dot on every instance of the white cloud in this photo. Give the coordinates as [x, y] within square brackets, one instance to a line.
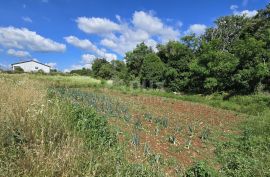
[151, 43]
[126, 41]
[27, 19]
[124, 35]
[97, 25]
[108, 43]
[118, 17]
[22, 38]
[154, 26]
[197, 29]
[18, 53]
[147, 22]
[246, 13]
[51, 64]
[234, 7]
[88, 58]
[86, 62]
[85, 44]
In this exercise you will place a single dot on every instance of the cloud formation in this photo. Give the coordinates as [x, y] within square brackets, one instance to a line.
[97, 25]
[197, 29]
[27, 19]
[87, 45]
[122, 36]
[86, 62]
[246, 13]
[18, 53]
[24, 39]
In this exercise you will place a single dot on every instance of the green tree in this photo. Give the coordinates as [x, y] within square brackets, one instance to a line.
[106, 71]
[177, 57]
[134, 59]
[228, 30]
[152, 71]
[120, 71]
[212, 70]
[254, 64]
[96, 66]
[82, 72]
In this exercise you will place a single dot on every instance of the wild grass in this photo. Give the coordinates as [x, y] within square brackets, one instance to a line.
[247, 154]
[50, 136]
[34, 139]
[64, 132]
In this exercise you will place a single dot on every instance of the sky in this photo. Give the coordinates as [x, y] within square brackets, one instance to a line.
[70, 34]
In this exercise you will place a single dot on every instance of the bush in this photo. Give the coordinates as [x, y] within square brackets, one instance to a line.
[200, 169]
[93, 127]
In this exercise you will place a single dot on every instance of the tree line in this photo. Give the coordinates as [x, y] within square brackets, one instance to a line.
[233, 57]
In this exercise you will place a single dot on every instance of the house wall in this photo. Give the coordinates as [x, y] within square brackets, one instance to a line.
[32, 67]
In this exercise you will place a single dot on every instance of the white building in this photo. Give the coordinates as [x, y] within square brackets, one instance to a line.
[31, 66]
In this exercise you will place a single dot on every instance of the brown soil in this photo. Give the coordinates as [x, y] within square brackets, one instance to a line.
[180, 114]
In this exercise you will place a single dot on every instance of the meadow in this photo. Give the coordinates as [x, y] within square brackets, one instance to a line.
[80, 126]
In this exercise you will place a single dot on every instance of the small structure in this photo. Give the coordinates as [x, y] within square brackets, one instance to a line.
[31, 66]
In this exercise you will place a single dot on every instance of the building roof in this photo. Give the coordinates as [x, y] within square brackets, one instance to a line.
[30, 61]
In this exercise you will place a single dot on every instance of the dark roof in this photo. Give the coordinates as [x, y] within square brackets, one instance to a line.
[30, 61]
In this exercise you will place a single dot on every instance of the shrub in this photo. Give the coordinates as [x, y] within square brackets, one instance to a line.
[93, 127]
[200, 169]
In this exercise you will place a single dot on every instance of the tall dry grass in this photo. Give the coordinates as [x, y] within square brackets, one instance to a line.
[34, 139]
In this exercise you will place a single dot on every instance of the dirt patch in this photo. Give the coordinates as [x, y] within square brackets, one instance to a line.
[173, 129]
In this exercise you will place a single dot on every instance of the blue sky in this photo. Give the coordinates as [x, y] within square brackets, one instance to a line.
[70, 34]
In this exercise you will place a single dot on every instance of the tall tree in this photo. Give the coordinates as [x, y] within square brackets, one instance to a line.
[134, 59]
[212, 69]
[152, 71]
[227, 30]
[97, 64]
[254, 64]
[177, 57]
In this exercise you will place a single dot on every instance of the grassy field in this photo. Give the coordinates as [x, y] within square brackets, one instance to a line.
[79, 126]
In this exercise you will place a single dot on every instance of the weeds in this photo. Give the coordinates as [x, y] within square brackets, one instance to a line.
[162, 122]
[146, 149]
[135, 139]
[205, 134]
[172, 139]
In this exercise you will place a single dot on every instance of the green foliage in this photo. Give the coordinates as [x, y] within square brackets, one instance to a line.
[172, 139]
[211, 71]
[135, 139]
[205, 134]
[93, 127]
[82, 72]
[152, 71]
[139, 170]
[231, 57]
[176, 56]
[162, 122]
[248, 154]
[136, 58]
[106, 71]
[228, 30]
[253, 66]
[102, 69]
[201, 169]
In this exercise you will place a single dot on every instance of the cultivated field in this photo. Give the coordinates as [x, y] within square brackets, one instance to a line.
[78, 126]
